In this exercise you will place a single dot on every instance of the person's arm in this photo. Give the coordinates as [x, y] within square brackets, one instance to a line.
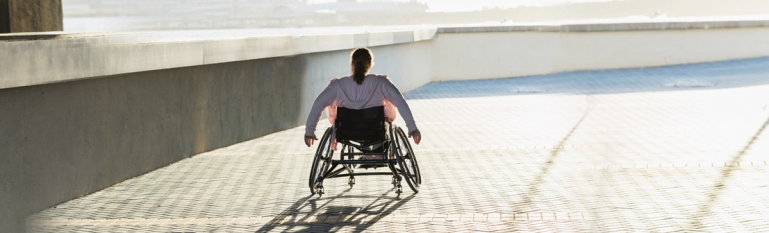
[324, 99]
[396, 98]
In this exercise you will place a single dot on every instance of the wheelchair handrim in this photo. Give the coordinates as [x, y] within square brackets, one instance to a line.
[413, 156]
[406, 162]
[319, 158]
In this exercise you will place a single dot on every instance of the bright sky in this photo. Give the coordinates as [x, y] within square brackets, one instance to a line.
[466, 5]
[444, 5]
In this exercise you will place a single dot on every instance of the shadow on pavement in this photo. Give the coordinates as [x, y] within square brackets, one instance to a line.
[300, 217]
[711, 75]
[720, 185]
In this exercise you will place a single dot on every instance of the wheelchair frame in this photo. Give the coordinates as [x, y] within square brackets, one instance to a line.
[398, 152]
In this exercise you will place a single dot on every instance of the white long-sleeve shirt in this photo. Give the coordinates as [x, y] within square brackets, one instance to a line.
[376, 90]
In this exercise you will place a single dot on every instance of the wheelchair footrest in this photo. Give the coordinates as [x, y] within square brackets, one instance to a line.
[372, 165]
[362, 174]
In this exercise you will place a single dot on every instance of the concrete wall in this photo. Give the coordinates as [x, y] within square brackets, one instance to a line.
[50, 58]
[493, 51]
[64, 140]
[31, 16]
[523, 53]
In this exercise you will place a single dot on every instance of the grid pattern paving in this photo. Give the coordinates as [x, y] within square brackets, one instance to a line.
[649, 149]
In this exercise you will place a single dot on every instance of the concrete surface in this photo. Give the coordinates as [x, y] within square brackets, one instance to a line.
[64, 140]
[681, 148]
[31, 16]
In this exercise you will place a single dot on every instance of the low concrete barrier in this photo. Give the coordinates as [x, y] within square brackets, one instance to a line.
[32, 59]
[512, 51]
[79, 113]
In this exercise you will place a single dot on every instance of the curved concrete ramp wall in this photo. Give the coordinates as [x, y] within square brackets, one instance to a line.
[499, 52]
[36, 59]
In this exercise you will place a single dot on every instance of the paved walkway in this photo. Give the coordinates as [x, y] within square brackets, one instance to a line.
[654, 149]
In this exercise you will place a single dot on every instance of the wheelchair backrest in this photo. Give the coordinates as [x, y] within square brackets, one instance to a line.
[360, 124]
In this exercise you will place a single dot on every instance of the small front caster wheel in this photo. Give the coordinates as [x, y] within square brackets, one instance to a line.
[351, 182]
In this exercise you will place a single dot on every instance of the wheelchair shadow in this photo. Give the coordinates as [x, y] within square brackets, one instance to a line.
[301, 216]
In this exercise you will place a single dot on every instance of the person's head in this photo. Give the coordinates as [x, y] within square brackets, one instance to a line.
[361, 61]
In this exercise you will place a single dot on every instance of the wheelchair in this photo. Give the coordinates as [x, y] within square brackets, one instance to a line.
[367, 141]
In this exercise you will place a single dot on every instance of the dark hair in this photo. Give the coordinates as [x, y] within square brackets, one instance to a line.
[361, 60]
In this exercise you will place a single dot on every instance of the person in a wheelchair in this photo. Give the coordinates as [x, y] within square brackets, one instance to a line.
[360, 90]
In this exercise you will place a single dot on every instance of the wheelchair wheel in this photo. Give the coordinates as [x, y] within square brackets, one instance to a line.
[320, 163]
[407, 160]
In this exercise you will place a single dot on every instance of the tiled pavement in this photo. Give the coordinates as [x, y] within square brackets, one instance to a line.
[654, 149]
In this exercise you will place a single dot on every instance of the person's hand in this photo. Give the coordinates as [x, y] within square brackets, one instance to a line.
[309, 140]
[416, 135]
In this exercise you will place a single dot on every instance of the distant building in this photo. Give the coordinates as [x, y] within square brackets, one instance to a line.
[100, 15]
[191, 8]
[236, 8]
